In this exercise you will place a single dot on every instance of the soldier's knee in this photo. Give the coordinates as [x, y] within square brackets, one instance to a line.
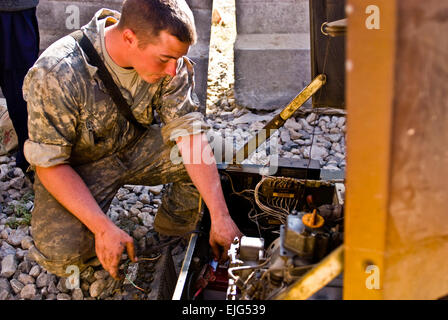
[63, 267]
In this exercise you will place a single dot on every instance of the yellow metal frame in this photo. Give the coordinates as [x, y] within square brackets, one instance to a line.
[369, 96]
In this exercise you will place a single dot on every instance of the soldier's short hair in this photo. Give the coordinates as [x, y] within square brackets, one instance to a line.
[147, 18]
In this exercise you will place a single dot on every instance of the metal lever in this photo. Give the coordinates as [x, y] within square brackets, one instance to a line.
[279, 119]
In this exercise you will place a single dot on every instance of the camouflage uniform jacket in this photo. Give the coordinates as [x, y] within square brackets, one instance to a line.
[71, 118]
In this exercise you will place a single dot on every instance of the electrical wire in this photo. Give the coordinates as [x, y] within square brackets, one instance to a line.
[317, 115]
[152, 250]
[126, 274]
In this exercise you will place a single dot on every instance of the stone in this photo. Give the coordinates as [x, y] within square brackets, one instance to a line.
[9, 266]
[254, 119]
[318, 152]
[145, 198]
[339, 155]
[62, 285]
[28, 292]
[14, 194]
[138, 205]
[131, 198]
[122, 194]
[285, 136]
[43, 280]
[4, 159]
[88, 275]
[97, 287]
[305, 125]
[6, 249]
[4, 285]
[77, 294]
[101, 274]
[325, 118]
[16, 286]
[137, 189]
[44, 291]
[20, 253]
[52, 288]
[27, 242]
[334, 137]
[147, 210]
[292, 125]
[85, 287]
[336, 147]
[110, 287]
[17, 183]
[139, 232]
[155, 190]
[26, 279]
[324, 143]
[51, 296]
[331, 168]
[35, 271]
[331, 125]
[4, 295]
[15, 237]
[142, 245]
[134, 211]
[147, 219]
[114, 216]
[340, 122]
[63, 296]
[311, 118]
[17, 172]
[295, 135]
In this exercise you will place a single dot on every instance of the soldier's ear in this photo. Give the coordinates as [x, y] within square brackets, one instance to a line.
[130, 38]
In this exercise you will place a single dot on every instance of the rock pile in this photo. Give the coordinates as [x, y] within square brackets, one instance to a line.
[133, 209]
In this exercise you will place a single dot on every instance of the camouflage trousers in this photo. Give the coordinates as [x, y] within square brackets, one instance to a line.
[62, 240]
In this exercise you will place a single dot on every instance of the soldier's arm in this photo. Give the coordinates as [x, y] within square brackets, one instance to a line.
[67, 187]
[200, 164]
[178, 109]
[54, 95]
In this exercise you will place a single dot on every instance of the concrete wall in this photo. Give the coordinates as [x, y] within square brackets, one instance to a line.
[58, 18]
[272, 52]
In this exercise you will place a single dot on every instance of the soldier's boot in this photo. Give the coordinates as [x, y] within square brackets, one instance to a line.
[179, 213]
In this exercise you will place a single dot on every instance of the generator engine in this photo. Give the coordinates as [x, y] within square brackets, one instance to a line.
[256, 273]
[289, 225]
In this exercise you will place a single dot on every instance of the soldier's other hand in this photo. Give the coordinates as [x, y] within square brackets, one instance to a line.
[222, 233]
[109, 246]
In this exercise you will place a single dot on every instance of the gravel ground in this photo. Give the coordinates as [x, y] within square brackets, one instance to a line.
[134, 207]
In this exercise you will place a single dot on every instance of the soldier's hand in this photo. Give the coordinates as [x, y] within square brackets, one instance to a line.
[109, 245]
[222, 233]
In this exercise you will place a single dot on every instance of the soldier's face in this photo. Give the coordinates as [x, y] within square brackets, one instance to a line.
[159, 59]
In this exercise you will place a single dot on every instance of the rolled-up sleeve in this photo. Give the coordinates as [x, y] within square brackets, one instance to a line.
[178, 105]
[52, 116]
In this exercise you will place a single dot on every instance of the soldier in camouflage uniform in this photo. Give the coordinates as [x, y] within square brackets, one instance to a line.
[83, 149]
